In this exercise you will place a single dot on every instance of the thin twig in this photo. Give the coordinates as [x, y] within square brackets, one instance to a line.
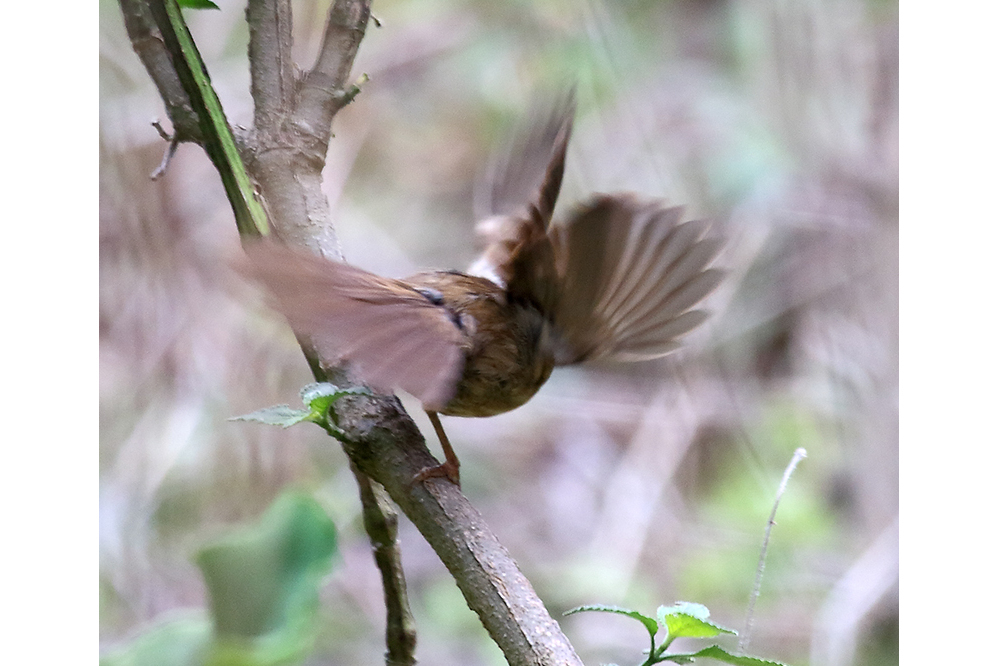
[754, 595]
[172, 143]
[381, 523]
[166, 136]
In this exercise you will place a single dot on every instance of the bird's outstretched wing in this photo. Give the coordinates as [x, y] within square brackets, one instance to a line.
[530, 161]
[630, 270]
[391, 335]
[523, 184]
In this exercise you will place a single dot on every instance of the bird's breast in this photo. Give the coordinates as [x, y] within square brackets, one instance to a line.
[510, 358]
[507, 345]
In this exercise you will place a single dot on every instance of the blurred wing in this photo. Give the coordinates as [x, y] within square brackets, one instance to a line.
[392, 336]
[516, 206]
[630, 272]
[517, 169]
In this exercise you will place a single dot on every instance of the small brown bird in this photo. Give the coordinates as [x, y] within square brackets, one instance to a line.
[617, 279]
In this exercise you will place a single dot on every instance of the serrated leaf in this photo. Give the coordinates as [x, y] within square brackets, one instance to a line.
[716, 652]
[700, 611]
[311, 392]
[197, 4]
[689, 620]
[649, 623]
[279, 415]
[315, 390]
[263, 583]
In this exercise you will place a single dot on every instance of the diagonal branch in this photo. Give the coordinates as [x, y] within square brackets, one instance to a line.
[286, 160]
[217, 137]
[324, 90]
[147, 42]
[384, 443]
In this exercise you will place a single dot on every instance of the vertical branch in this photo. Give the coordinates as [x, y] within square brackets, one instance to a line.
[289, 151]
[272, 71]
[381, 523]
[274, 88]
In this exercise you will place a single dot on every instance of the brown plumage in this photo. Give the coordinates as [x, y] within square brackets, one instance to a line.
[617, 279]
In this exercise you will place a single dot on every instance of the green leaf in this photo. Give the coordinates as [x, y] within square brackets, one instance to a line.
[675, 658]
[263, 582]
[177, 642]
[650, 624]
[689, 620]
[319, 397]
[715, 652]
[279, 415]
[197, 4]
[700, 611]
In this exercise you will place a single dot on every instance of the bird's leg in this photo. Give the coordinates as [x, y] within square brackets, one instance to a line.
[449, 469]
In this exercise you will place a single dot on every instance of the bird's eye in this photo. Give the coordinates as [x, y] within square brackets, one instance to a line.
[432, 295]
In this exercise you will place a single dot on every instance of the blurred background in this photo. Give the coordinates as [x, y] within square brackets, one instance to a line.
[634, 485]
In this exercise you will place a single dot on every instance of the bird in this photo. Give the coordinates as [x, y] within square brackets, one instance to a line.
[618, 278]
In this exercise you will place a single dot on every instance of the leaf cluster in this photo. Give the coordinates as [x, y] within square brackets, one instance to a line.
[681, 620]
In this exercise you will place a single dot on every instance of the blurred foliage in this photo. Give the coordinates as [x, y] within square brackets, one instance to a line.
[616, 484]
[263, 583]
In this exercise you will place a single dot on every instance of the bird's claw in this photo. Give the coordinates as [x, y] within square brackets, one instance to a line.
[445, 470]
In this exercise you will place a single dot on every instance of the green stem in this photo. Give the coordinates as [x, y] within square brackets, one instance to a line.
[652, 651]
[656, 654]
[219, 142]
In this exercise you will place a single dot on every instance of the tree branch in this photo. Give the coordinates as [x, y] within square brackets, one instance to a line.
[272, 71]
[216, 136]
[381, 523]
[386, 445]
[324, 90]
[147, 42]
[287, 156]
[286, 159]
